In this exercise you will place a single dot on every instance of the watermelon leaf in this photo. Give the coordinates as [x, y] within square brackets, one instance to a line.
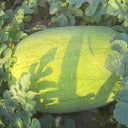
[120, 46]
[121, 36]
[93, 4]
[121, 113]
[2, 13]
[117, 63]
[78, 3]
[18, 105]
[48, 121]
[119, 28]
[117, 59]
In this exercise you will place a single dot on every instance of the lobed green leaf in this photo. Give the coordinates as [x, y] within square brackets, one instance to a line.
[91, 9]
[35, 123]
[120, 46]
[121, 36]
[78, 3]
[114, 63]
[117, 59]
[1, 13]
[121, 113]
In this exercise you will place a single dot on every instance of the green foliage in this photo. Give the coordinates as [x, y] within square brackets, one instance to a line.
[65, 13]
[93, 10]
[119, 8]
[6, 61]
[117, 63]
[17, 106]
[48, 121]
[102, 12]
[121, 36]
[117, 59]
[121, 111]
[12, 22]
[92, 7]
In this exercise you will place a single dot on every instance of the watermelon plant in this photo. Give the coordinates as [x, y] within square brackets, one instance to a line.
[79, 63]
[117, 64]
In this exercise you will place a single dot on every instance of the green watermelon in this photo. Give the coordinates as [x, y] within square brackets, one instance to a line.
[67, 67]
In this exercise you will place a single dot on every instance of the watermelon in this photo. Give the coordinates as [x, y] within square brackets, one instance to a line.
[67, 68]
